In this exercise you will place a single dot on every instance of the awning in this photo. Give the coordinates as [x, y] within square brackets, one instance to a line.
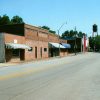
[16, 46]
[56, 45]
[66, 45]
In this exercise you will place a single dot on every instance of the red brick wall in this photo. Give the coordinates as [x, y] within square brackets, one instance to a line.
[63, 52]
[53, 38]
[9, 38]
[63, 41]
[36, 38]
[30, 55]
[36, 33]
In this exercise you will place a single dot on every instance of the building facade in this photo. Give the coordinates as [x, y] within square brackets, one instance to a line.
[23, 42]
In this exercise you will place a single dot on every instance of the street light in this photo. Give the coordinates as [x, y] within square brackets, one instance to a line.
[59, 35]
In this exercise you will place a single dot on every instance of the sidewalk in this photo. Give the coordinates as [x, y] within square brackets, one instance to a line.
[25, 62]
[6, 64]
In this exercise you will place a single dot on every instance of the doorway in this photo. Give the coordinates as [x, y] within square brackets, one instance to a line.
[36, 52]
[41, 51]
[22, 54]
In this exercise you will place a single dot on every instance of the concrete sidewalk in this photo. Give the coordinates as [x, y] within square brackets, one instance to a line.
[9, 64]
[6, 64]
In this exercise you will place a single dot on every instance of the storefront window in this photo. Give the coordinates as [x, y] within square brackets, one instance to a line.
[31, 49]
[16, 52]
[45, 49]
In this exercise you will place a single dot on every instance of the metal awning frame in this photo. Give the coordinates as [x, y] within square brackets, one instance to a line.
[56, 45]
[16, 46]
[66, 45]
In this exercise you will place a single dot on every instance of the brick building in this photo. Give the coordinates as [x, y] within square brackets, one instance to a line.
[26, 42]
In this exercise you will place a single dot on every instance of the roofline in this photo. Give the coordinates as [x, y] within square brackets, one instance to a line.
[12, 24]
[35, 27]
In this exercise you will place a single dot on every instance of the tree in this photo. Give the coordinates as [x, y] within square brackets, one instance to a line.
[73, 33]
[4, 20]
[80, 34]
[65, 34]
[97, 42]
[0, 17]
[94, 43]
[91, 42]
[45, 27]
[51, 31]
[70, 33]
[17, 20]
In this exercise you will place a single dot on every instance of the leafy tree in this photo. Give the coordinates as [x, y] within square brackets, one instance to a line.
[65, 34]
[51, 31]
[0, 17]
[94, 42]
[73, 33]
[97, 42]
[80, 34]
[17, 20]
[70, 33]
[45, 27]
[4, 20]
[91, 42]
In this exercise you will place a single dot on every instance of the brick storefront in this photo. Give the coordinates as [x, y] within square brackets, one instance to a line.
[36, 38]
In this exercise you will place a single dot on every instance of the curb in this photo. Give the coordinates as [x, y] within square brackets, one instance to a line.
[40, 60]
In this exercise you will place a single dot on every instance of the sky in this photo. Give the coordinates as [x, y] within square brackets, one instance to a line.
[54, 13]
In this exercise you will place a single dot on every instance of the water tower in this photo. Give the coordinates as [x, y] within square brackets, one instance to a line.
[95, 30]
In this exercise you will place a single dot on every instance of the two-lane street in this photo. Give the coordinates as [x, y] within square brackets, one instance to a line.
[69, 78]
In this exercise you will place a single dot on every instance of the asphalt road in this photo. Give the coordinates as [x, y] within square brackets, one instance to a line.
[69, 78]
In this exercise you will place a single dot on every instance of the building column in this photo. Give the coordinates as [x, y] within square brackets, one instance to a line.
[2, 48]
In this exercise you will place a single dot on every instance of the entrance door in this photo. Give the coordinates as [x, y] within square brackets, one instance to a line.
[41, 52]
[22, 54]
[35, 52]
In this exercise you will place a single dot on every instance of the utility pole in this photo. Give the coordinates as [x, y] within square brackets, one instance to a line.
[59, 35]
[59, 41]
[84, 40]
[75, 41]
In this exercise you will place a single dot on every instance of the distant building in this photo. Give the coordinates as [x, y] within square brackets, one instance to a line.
[76, 44]
[85, 43]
